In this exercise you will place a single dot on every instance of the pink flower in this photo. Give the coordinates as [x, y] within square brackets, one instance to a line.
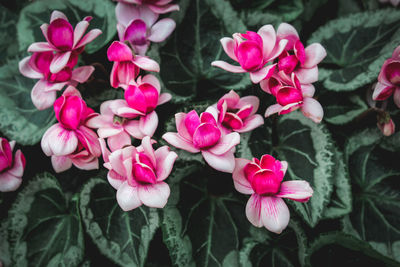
[291, 95]
[137, 24]
[303, 62]
[70, 140]
[253, 51]
[389, 79]
[11, 167]
[138, 174]
[63, 39]
[385, 124]
[262, 179]
[238, 114]
[157, 6]
[197, 134]
[127, 65]
[44, 92]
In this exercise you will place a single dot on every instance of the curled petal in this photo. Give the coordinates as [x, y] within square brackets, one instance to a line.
[41, 97]
[82, 74]
[296, 190]
[268, 34]
[59, 141]
[27, 70]
[382, 91]
[119, 51]
[251, 123]
[89, 37]
[315, 53]
[59, 61]
[312, 109]
[276, 108]
[146, 63]
[177, 141]
[222, 163]
[263, 73]
[40, 47]
[228, 44]
[148, 124]
[239, 178]
[161, 30]
[9, 182]
[165, 161]
[228, 67]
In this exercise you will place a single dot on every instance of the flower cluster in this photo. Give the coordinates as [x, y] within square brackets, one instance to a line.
[11, 167]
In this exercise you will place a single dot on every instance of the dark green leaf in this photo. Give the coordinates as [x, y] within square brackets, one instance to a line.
[8, 20]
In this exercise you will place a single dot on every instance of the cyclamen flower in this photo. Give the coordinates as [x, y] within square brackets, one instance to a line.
[291, 95]
[138, 26]
[157, 6]
[303, 62]
[238, 114]
[385, 124]
[11, 167]
[138, 174]
[389, 79]
[127, 65]
[262, 179]
[44, 92]
[63, 39]
[201, 134]
[253, 51]
[70, 141]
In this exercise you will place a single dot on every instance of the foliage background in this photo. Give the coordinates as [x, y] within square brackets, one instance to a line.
[72, 218]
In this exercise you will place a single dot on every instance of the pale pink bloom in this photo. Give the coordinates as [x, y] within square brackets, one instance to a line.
[157, 6]
[138, 26]
[127, 65]
[44, 92]
[70, 137]
[138, 174]
[385, 124]
[303, 62]
[202, 134]
[393, 2]
[238, 114]
[262, 179]
[252, 51]
[63, 39]
[291, 95]
[11, 167]
[389, 79]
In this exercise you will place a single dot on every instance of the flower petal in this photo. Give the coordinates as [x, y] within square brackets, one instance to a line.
[154, 196]
[228, 44]
[165, 161]
[61, 163]
[41, 98]
[268, 34]
[118, 141]
[146, 63]
[82, 74]
[60, 141]
[276, 108]
[59, 61]
[306, 76]
[312, 109]
[274, 214]
[27, 70]
[179, 142]
[225, 144]
[296, 190]
[251, 123]
[396, 97]
[119, 51]
[40, 47]
[228, 67]
[148, 124]
[127, 197]
[161, 30]
[315, 53]
[222, 163]
[9, 182]
[239, 179]
[263, 73]
[89, 37]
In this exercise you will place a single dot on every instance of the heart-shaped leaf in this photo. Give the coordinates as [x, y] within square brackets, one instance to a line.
[8, 20]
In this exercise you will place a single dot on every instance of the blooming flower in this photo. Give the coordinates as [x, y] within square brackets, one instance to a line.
[303, 62]
[70, 137]
[44, 92]
[63, 39]
[138, 174]
[127, 65]
[262, 179]
[389, 79]
[11, 167]
[291, 95]
[253, 51]
[197, 134]
[138, 26]
[157, 6]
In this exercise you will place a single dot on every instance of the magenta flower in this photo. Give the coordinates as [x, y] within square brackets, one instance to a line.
[262, 179]
[127, 65]
[389, 79]
[138, 26]
[253, 51]
[291, 95]
[303, 62]
[11, 167]
[44, 92]
[63, 39]
[157, 6]
[138, 174]
[70, 137]
[202, 134]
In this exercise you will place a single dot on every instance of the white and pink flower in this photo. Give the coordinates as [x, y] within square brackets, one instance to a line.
[11, 167]
[138, 174]
[262, 179]
[252, 51]
[63, 39]
[202, 134]
[157, 6]
[139, 26]
[385, 123]
[127, 65]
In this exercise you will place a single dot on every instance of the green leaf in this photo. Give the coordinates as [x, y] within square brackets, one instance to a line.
[35, 14]
[356, 47]
[19, 119]
[123, 237]
[8, 20]
[44, 228]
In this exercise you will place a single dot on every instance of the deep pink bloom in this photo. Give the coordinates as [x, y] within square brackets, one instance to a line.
[291, 95]
[262, 179]
[138, 26]
[389, 79]
[253, 51]
[138, 174]
[201, 133]
[302, 61]
[63, 39]
[127, 65]
[11, 167]
[44, 92]
[157, 6]
[70, 140]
